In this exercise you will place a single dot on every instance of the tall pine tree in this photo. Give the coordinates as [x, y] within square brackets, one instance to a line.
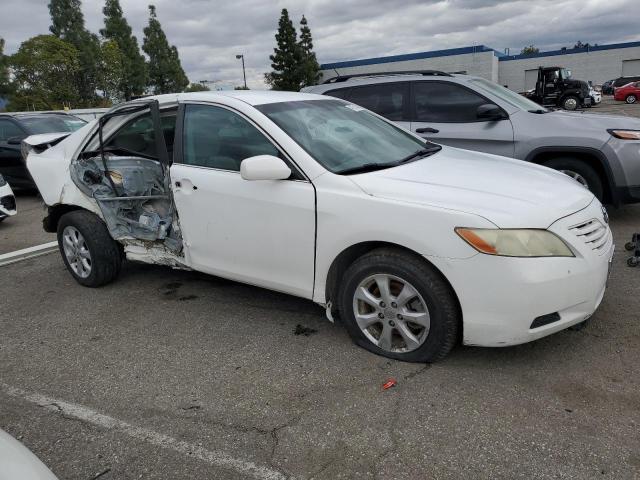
[285, 61]
[165, 71]
[117, 29]
[67, 23]
[310, 69]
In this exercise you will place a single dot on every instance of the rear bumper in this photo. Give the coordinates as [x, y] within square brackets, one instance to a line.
[501, 297]
[7, 202]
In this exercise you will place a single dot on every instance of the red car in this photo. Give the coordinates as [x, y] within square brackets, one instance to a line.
[629, 93]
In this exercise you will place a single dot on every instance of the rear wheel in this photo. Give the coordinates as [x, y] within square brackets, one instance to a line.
[92, 257]
[631, 99]
[571, 102]
[396, 305]
[581, 172]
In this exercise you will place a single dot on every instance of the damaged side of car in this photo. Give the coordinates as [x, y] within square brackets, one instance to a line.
[122, 168]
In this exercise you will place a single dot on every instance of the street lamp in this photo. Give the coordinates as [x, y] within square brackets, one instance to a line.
[244, 74]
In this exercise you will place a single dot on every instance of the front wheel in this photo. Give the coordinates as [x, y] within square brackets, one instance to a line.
[92, 257]
[571, 103]
[396, 305]
[631, 99]
[581, 172]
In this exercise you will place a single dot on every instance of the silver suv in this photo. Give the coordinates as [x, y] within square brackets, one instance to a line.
[601, 152]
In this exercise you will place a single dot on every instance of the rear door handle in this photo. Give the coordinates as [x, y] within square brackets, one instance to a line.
[427, 130]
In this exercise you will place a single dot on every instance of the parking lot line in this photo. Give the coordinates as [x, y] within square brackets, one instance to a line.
[80, 412]
[27, 253]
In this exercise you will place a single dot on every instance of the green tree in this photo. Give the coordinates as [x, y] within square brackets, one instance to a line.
[197, 87]
[165, 71]
[67, 23]
[6, 86]
[45, 69]
[112, 71]
[530, 50]
[117, 28]
[285, 60]
[310, 69]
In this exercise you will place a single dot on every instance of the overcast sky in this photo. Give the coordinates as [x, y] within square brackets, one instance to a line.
[209, 33]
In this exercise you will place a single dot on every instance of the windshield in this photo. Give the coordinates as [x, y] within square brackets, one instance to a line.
[507, 95]
[37, 124]
[342, 136]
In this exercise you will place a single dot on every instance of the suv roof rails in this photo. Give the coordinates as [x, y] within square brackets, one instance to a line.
[344, 78]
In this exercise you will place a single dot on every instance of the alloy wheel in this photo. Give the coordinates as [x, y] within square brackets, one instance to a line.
[570, 104]
[76, 251]
[391, 313]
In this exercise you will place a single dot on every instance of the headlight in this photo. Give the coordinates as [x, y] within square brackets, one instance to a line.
[625, 134]
[515, 242]
[3, 182]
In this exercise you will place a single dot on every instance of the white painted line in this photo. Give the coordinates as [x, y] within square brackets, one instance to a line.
[215, 458]
[27, 253]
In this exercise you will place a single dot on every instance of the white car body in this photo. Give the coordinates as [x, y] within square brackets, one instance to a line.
[596, 96]
[285, 235]
[7, 201]
[18, 463]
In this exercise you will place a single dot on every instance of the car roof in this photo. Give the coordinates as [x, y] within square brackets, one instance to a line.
[252, 97]
[389, 78]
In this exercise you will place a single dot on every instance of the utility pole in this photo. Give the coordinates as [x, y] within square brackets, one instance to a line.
[244, 74]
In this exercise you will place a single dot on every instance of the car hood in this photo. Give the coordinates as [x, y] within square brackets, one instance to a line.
[509, 193]
[580, 121]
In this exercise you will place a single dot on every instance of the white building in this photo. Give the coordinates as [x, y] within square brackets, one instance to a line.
[596, 64]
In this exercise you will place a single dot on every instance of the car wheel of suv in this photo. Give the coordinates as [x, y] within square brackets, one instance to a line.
[630, 99]
[397, 305]
[571, 103]
[92, 257]
[581, 172]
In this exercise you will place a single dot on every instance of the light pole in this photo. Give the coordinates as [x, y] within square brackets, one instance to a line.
[244, 74]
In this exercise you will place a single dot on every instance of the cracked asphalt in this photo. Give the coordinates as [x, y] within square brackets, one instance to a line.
[202, 364]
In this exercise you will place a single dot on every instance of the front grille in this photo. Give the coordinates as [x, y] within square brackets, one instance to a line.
[593, 233]
[8, 202]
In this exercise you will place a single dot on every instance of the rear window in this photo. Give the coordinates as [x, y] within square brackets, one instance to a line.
[38, 124]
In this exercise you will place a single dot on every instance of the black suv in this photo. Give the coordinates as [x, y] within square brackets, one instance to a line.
[14, 127]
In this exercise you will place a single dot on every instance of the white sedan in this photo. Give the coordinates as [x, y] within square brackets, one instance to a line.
[7, 200]
[414, 246]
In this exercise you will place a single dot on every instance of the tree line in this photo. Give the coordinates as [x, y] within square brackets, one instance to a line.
[72, 66]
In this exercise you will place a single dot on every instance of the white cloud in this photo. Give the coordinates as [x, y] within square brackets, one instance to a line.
[209, 33]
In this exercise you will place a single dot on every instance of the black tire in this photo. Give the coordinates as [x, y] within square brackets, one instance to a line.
[631, 99]
[582, 168]
[566, 101]
[630, 246]
[633, 261]
[438, 295]
[106, 258]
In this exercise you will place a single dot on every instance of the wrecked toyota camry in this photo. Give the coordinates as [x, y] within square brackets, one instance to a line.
[412, 245]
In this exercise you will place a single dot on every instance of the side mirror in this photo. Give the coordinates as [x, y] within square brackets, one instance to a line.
[490, 111]
[16, 140]
[264, 167]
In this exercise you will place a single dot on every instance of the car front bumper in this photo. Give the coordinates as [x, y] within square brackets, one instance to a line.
[500, 297]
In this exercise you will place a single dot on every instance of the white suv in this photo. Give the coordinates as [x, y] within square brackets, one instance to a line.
[413, 245]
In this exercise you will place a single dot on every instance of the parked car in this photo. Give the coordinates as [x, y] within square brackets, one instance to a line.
[595, 95]
[14, 127]
[607, 87]
[621, 81]
[7, 200]
[600, 152]
[18, 463]
[629, 93]
[411, 244]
